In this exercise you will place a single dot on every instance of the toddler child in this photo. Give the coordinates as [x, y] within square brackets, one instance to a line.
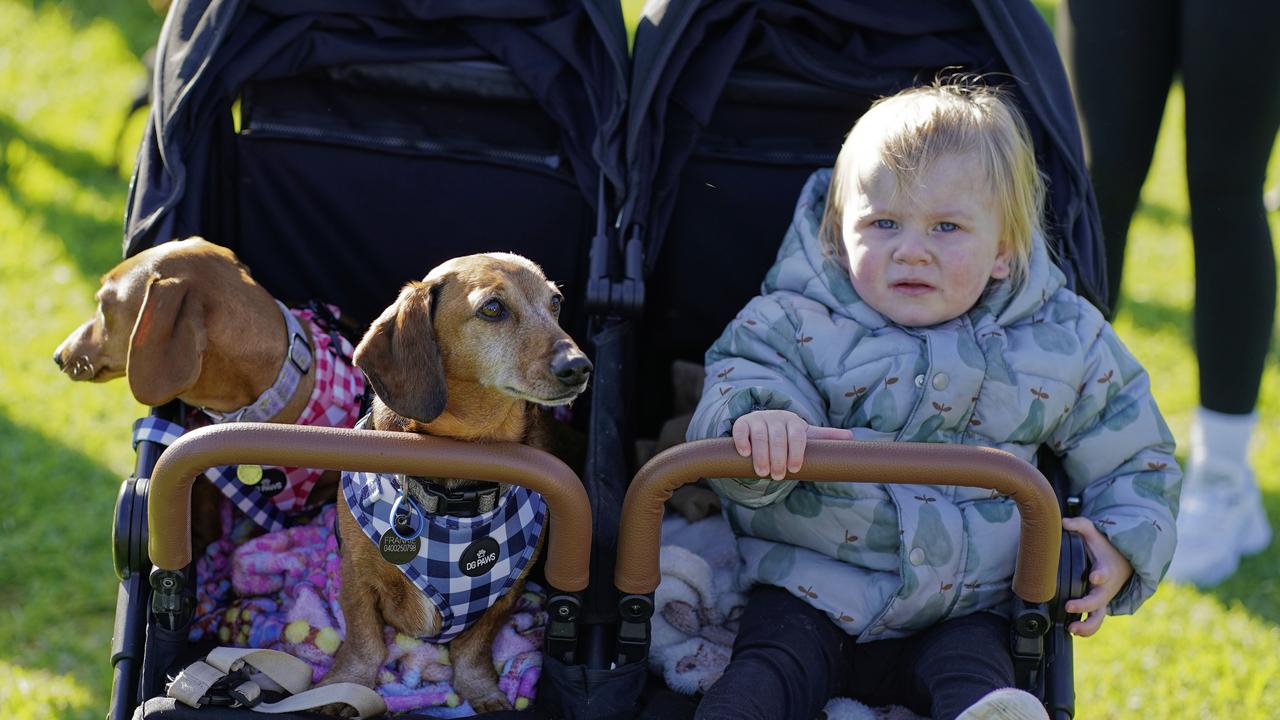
[914, 299]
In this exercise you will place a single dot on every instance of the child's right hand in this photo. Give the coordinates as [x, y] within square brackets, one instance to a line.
[775, 440]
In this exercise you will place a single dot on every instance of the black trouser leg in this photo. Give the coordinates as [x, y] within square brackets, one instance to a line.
[787, 661]
[957, 662]
[790, 659]
[1230, 65]
[1121, 57]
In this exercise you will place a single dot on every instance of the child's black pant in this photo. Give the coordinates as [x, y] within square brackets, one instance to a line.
[789, 659]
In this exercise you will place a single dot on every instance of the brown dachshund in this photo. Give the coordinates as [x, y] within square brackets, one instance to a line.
[184, 320]
[473, 352]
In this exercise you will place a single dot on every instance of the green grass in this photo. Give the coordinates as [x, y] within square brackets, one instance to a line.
[66, 71]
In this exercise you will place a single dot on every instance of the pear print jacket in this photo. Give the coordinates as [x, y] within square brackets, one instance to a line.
[1022, 369]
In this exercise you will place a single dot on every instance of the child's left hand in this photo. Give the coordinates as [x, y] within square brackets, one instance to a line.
[1109, 574]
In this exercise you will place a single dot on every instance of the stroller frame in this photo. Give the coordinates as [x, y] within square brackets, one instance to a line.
[627, 176]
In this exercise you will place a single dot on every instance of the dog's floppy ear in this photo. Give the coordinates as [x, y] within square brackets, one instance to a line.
[401, 358]
[166, 349]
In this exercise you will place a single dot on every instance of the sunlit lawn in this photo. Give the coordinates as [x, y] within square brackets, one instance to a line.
[66, 71]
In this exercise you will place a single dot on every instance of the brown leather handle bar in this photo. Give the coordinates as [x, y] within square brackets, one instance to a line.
[1035, 576]
[169, 507]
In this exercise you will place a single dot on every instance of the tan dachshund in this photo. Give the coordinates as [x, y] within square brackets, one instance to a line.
[184, 320]
[473, 352]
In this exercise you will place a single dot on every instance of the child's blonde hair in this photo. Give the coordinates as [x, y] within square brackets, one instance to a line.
[911, 129]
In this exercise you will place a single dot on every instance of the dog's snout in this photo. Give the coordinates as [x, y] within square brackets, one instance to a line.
[57, 358]
[571, 368]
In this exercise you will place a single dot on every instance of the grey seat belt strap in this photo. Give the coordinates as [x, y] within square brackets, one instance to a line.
[366, 702]
[193, 683]
[288, 672]
[271, 670]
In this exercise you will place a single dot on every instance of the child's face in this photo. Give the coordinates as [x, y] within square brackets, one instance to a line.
[923, 258]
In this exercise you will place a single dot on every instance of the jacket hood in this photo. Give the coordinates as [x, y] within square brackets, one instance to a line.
[805, 266]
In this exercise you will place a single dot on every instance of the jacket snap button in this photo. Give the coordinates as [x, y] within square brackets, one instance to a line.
[941, 381]
[916, 556]
[919, 381]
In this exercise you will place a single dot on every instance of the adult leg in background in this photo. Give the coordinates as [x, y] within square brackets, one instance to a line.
[1230, 67]
[1121, 57]
[1231, 73]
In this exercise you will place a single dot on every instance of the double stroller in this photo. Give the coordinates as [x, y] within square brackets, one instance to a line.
[341, 152]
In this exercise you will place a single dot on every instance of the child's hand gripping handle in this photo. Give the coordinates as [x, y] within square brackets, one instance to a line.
[775, 440]
[1035, 577]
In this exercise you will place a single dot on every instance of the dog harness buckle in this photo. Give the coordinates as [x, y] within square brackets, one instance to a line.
[300, 353]
[465, 502]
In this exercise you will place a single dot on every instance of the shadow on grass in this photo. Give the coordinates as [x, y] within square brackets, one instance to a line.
[82, 234]
[1161, 318]
[56, 579]
[1166, 216]
[139, 25]
[1256, 585]
[1157, 317]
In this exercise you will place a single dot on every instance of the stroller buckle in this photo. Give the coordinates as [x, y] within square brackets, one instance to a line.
[300, 353]
[246, 694]
[1030, 624]
[633, 639]
[562, 626]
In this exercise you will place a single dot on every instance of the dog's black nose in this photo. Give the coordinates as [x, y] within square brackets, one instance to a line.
[57, 359]
[571, 369]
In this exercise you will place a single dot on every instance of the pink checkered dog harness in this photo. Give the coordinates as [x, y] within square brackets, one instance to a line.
[276, 493]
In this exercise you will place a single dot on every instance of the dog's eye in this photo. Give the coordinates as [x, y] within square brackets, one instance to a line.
[492, 310]
[555, 304]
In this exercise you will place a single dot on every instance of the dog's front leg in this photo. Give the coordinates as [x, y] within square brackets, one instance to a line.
[363, 650]
[472, 653]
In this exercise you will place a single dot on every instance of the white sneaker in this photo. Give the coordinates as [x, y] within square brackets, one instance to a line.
[1006, 704]
[1220, 518]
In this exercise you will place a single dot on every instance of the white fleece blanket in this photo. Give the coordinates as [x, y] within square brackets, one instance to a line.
[697, 608]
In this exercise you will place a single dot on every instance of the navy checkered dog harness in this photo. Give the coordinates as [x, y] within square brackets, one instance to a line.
[449, 565]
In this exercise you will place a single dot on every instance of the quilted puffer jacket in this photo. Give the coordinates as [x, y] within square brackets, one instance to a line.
[1025, 368]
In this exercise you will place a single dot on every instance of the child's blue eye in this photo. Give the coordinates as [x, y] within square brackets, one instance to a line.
[947, 227]
[885, 224]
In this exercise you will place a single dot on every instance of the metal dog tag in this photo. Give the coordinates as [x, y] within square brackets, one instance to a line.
[398, 551]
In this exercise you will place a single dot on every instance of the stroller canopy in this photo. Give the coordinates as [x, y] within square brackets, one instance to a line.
[704, 56]
[532, 74]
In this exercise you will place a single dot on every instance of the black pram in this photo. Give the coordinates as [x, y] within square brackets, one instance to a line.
[340, 154]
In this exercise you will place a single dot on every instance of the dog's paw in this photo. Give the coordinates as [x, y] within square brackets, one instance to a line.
[491, 701]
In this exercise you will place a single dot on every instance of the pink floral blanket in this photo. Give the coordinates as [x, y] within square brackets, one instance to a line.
[280, 591]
